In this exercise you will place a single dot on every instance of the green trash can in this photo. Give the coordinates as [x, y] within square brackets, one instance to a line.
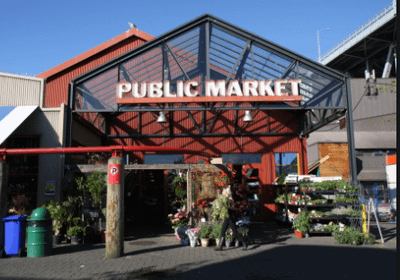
[39, 240]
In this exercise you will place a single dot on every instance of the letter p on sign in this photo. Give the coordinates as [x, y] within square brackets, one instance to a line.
[114, 174]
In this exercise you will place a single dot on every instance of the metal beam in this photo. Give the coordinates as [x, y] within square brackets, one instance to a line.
[322, 123]
[350, 136]
[177, 62]
[366, 58]
[388, 64]
[239, 59]
[205, 135]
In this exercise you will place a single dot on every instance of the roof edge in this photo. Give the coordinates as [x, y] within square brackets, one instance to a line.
[10, 75]
[99, 48]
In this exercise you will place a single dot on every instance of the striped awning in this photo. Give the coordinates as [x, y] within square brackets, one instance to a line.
[11, 117]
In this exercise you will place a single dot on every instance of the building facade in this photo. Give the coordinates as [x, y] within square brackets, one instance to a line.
[206, 86]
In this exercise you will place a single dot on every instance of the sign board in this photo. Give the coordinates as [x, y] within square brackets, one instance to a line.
[215, 91]
[114, 173]
[50, 188]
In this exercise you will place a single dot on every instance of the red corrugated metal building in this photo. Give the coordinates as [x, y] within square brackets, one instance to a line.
[205, 49]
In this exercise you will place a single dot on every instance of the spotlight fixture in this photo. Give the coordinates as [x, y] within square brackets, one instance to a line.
[248, 117]
[162, 118]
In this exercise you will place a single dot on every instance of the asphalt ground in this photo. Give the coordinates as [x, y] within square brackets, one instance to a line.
[155, 253]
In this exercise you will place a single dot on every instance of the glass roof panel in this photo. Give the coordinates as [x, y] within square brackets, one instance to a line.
[97, 93]
[185, 50]
[183, 55]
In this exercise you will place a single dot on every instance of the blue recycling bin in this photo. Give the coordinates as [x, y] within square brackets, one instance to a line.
[14, 235]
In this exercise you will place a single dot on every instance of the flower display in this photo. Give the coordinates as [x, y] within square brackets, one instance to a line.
[180, 218]
[193, 232]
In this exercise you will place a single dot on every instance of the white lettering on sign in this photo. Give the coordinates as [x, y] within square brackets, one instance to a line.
[284, 87]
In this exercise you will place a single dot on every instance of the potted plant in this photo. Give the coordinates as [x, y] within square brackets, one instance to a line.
[76, 232]
[241, 231]
[216, 231]
[59, 216]
[94, 188]
[204, 235]
[301, 224]
[228, 237]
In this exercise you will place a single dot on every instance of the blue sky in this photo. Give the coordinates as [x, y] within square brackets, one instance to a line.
[38, 35]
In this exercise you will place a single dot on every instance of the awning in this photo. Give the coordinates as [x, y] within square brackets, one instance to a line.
[11, 117]
[371, 168]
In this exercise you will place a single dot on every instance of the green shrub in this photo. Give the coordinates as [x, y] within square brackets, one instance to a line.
[76, 231]
[216, 230]
[350, 235]
[205, 231]
[302, 222]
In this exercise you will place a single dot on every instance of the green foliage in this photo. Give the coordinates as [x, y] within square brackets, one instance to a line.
[302, 222]
[318, 201]
[345, 199]
[205, 231]
[216, 230]
[330, 185]
[350, 235]
[179, 184]
[58, 214]
[390, 88]
[71, 205]
[280, 198]
[76, 231]
[229, 234]
[95, 185]
[220, 208]
[282, 179]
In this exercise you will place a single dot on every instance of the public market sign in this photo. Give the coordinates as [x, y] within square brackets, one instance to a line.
[215, 91]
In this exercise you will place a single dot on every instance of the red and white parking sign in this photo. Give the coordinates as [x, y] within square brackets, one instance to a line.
[114, 173]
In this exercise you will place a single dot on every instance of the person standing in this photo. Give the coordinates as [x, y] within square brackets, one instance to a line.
[238, 197]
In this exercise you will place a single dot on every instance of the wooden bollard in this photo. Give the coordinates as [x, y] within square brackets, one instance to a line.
[115, 209]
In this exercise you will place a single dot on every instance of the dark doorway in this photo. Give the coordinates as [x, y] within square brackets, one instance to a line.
[144, 198]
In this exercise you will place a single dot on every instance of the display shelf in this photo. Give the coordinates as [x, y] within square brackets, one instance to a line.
[297, 198]
[23, 170]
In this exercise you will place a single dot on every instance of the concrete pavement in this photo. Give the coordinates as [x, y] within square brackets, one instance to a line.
[157, 254]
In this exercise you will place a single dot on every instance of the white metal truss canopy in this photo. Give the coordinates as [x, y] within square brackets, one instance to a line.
[208, 48]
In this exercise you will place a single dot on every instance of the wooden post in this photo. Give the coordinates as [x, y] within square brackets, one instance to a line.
[115, 208]
[4, 168]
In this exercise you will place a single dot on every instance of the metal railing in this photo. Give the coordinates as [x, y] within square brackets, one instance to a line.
[361, 29]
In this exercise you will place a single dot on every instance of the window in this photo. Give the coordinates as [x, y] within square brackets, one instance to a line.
[241, 158]
[286, 163]
[163, 159]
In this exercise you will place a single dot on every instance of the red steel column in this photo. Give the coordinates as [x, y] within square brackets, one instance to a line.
[115, 208]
